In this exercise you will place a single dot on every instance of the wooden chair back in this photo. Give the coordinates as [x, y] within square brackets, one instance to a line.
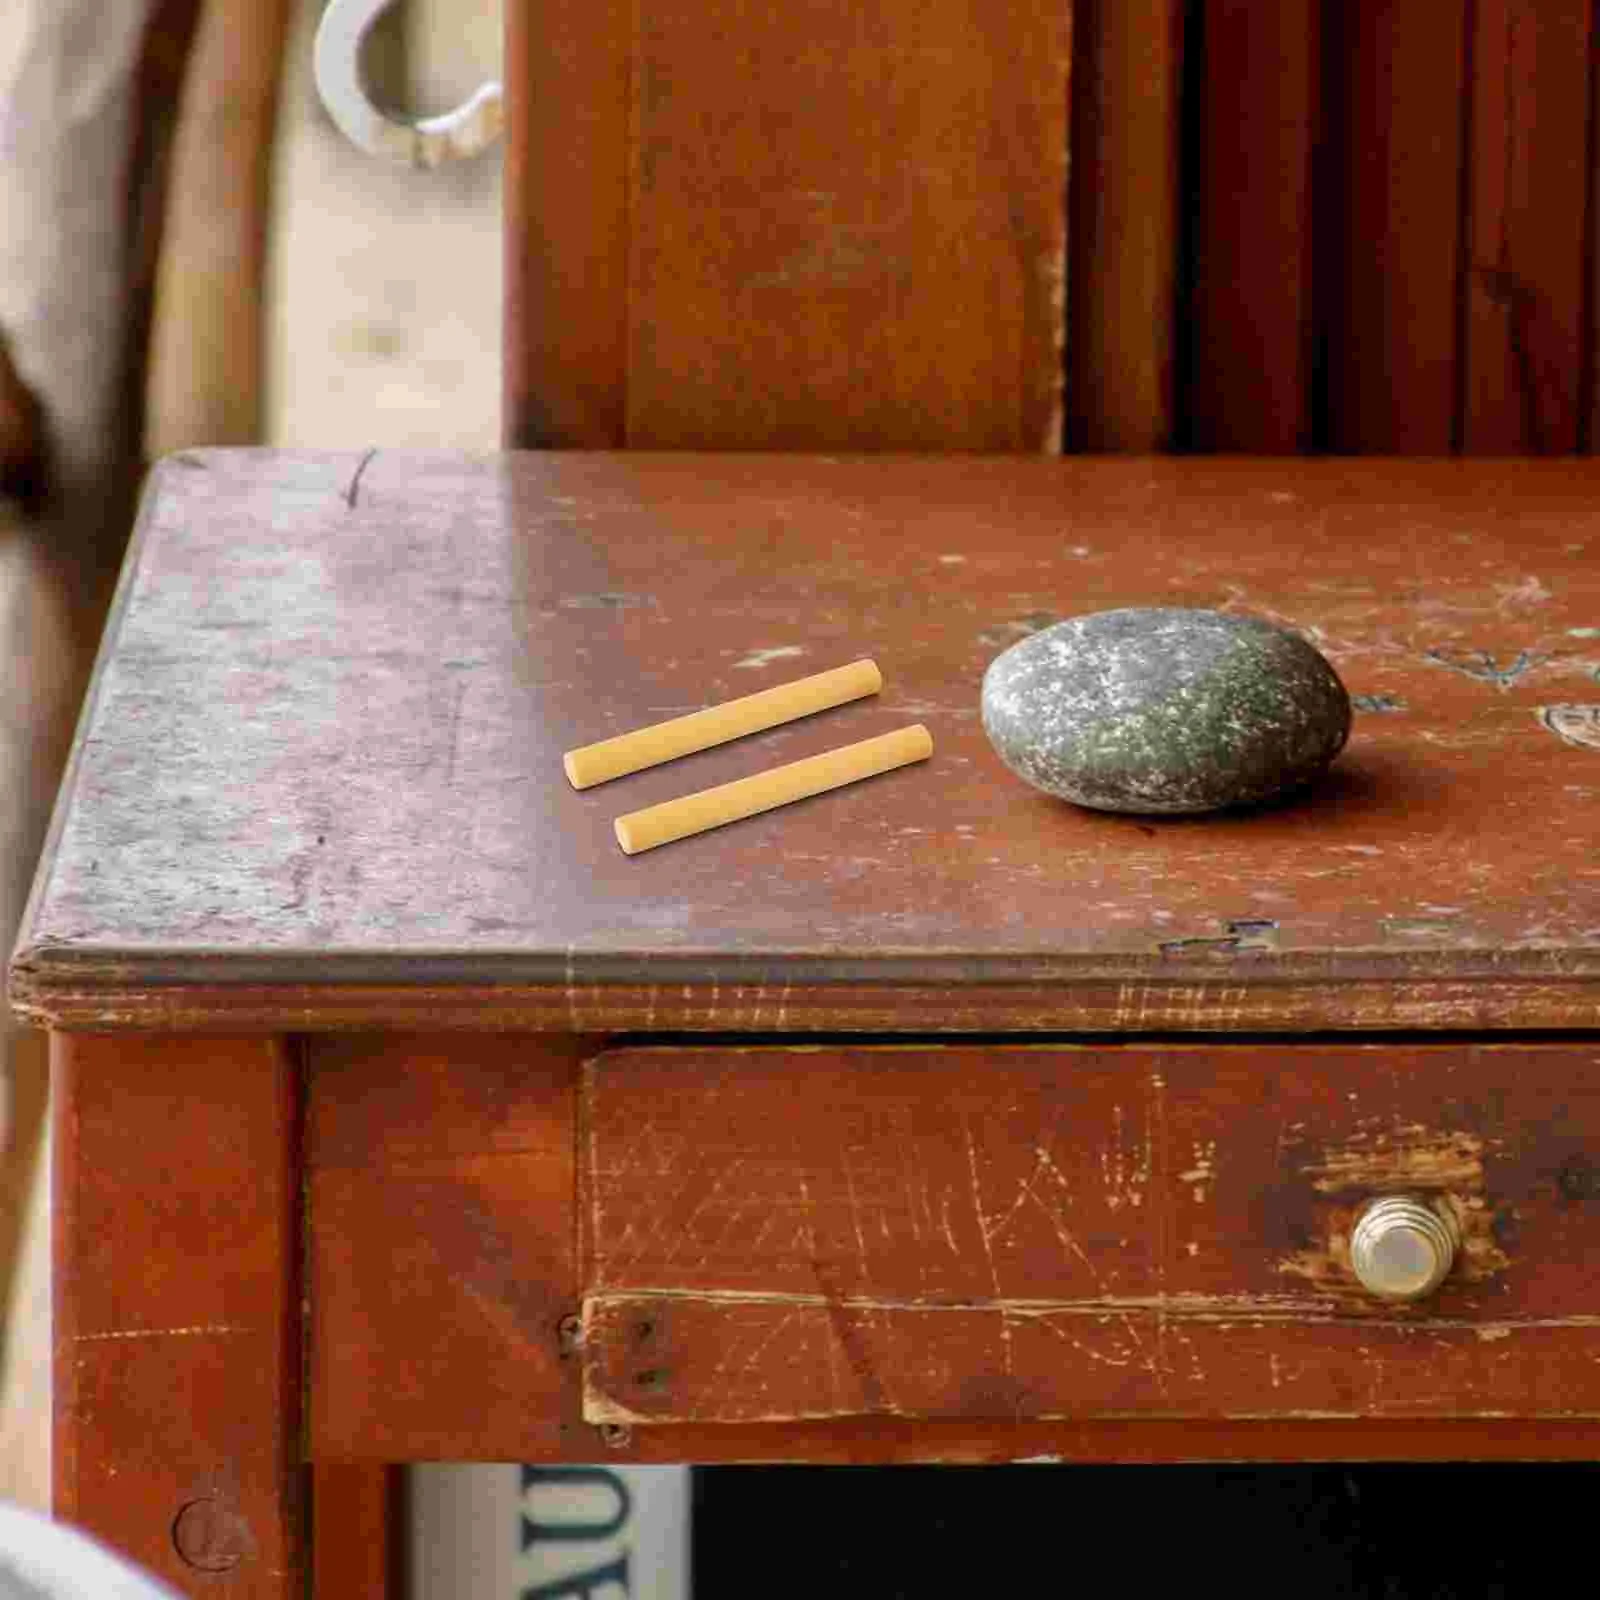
[1324, 225]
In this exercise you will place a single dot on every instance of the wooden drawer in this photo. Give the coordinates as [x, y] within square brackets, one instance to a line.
[1118, 1230]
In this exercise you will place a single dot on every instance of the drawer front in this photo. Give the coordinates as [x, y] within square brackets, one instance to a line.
[982, 1232]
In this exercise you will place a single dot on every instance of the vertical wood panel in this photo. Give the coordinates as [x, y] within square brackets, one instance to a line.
[1251, 328]
[847, 225]
[441, 1245]
[787, 228]
[566, 211]
[1393, 268]
[177, 1350]
[1527, 218]
[1127, 80]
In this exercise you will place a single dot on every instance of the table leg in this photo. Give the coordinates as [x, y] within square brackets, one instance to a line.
[358, 1530]
[177, 1315]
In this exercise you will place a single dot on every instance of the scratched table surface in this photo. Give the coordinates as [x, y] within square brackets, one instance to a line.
[320, 772]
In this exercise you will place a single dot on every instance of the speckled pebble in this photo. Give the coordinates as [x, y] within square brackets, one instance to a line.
[1163, 709]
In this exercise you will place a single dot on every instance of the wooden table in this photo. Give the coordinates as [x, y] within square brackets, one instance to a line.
[402, 1117]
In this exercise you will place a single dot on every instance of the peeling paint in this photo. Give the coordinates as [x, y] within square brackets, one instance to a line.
[1245, 936]
[1409, 1156]
[1577, 724]
[768, 653]
[1405, 1158]
[1483, 667]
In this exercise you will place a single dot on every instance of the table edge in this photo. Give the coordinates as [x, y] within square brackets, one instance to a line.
[83, 988]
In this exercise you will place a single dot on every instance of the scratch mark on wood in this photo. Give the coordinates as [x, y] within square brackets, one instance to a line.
[769, 653]
[1407, 1156]
[1530, 592]
[1088, 1352]
[908, 1178]
[453, 731]
[944, 1218]
[773, 1334]
[735, 1217]
[1197, 1373]
[1125, 1182]
[572, 989]
[1153, 1364]
[1203, 1171]
[1245, 936]
[611, 600]
[683, 1230]
[195, 1331]
[855, 1217]
[1188, 1305]
[1024, 1191]
[843, 1319]
[1156, 1166]
[988, 1248]
[353, 488]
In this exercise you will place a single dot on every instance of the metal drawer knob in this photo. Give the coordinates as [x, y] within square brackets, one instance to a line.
[1402, 1248]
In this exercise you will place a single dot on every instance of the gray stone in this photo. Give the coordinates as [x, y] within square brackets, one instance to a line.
[1162, 709]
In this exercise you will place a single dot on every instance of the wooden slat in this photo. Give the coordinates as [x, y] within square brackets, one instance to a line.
[1127, 78]
[441, 1253]
[893, 1440]
[177, 1348]
[566, 223]
[1004, 1233]
[1250, 318]
[1390, 279]
[843, 227]
[1528, 210]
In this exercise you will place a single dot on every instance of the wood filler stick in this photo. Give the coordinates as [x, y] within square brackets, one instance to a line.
[700, 730]
[745, 797]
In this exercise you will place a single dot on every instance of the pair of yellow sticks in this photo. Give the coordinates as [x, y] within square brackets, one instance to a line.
[745, 797]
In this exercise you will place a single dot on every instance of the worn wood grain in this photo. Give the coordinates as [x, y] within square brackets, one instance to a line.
[176, 1321]
[1008, 1232]
[441, 741]
[442, 1246]
[322, 762]
[729, 996]
[1250, 323]
[835, 228]
[1527, 228]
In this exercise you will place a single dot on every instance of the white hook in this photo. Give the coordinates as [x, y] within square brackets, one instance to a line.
[426, 142]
